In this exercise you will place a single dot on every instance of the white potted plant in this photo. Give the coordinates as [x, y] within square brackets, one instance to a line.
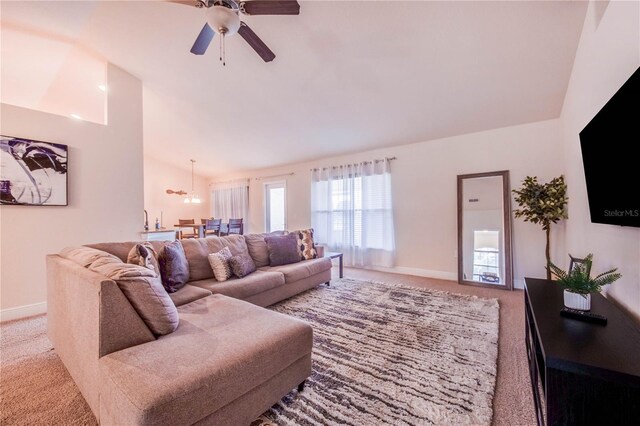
[578, 284]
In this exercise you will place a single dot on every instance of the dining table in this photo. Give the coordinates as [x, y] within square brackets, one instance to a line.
[197, 228]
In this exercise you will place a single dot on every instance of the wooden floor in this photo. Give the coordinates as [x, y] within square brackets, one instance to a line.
[512, 403]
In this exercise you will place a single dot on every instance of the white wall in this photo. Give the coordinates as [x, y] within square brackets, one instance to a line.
[424, 191]
[607, 55]
[105, 191]
[160, 176]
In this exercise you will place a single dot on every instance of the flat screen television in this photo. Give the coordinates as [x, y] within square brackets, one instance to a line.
[609, 144]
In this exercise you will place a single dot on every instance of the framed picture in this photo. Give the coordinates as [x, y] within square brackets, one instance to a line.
[579, 262]
[32, 172]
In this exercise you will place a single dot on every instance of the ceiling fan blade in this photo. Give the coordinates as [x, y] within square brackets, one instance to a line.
[203, 40]
[254, 41]
[270, 7]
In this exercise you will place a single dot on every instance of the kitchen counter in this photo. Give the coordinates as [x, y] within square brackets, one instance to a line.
[162, 234]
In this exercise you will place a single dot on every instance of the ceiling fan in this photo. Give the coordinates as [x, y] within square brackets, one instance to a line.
[223, 17]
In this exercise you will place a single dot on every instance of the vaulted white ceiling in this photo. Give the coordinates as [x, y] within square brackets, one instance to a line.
[348, 76]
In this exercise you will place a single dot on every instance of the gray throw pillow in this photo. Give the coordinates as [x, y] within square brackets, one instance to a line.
[174, 267]
[283, 249]
[242, 265]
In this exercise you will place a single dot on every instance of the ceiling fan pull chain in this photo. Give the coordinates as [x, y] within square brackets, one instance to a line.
[224, 59]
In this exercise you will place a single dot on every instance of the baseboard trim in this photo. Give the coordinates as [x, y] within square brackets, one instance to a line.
[418, 272]
[23, 311]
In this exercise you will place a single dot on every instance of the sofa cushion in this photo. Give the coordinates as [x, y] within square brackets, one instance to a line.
[300, 270]
[151, 302]
[141, 286]
[174, 266]
[257, 249]
[84, 256]
[220, 264]
[236, 244]
[198, 250]
[188, 294]
[241, 288]
[242, 265]
[143, 254]
[283, 249]
[122, 249]
[203, 366]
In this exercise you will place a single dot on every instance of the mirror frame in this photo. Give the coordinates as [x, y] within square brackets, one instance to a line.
[506, 211]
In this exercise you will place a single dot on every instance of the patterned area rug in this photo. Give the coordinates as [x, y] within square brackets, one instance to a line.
[389, 354]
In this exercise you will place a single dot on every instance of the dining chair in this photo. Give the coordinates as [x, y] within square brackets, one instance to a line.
[212, 227]
[191, 234]
[235, 227]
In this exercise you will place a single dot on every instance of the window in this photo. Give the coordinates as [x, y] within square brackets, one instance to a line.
[347, 203]
[275, 206]
[352, 212]
[230, 200]
[486, 256]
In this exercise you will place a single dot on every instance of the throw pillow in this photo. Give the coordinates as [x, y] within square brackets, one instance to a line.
[174, 267]
[143, 254]
[283, 249]
[306, 246]
[242, 265]
[220, 264]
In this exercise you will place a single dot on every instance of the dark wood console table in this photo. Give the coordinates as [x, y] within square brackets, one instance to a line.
[581, 373]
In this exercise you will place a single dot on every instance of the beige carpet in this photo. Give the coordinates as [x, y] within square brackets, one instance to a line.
[35, 388]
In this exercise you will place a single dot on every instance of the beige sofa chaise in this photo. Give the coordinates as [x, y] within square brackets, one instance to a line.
[227, 362]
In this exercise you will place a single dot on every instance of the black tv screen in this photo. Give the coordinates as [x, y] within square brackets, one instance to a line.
[609, 144]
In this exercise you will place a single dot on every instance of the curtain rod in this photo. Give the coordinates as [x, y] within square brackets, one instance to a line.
[229, 181]
[364, 162]
[273, 176]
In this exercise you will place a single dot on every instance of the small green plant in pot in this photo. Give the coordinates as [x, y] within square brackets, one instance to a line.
[578, 283]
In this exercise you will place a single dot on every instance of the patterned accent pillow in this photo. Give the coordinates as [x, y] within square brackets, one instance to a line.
[242, 265]
[174, 267]
[144, 255]
[220, 264]
[306, 246]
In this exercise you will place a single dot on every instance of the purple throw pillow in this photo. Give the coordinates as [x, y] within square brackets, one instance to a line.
[242, 265]
[174, 267]
[283, 249]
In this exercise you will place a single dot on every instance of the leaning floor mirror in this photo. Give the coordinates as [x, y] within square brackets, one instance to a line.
[484, 230]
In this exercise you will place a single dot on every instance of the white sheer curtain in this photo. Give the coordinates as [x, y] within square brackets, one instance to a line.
[230, 200]
[351, 212]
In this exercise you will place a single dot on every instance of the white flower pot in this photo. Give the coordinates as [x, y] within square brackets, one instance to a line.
[581, 302]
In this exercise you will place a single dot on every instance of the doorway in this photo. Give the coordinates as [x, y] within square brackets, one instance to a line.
[275, 206]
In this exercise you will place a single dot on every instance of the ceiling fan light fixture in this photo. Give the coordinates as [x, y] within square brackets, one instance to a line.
[223, 20]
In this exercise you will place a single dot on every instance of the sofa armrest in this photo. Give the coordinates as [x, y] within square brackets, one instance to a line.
[88, 317]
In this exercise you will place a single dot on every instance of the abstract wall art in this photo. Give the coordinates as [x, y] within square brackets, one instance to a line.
[32, 172]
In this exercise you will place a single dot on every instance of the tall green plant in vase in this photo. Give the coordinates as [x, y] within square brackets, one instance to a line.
[543, 204]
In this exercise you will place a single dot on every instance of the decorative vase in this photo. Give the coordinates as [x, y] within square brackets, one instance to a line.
[580, 302]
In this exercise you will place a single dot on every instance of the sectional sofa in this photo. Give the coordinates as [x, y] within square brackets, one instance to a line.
[228, 361]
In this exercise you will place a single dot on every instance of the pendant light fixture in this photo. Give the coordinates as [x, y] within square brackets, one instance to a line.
[192, 198]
